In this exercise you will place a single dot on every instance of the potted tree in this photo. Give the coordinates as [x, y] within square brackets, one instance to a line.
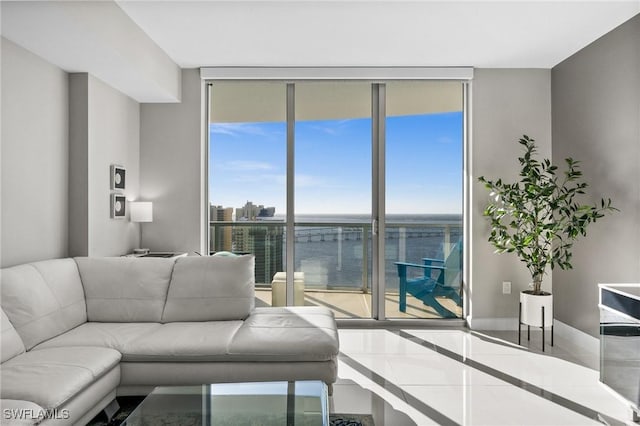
[538, 218]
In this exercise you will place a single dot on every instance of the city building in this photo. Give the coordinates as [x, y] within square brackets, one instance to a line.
[266, 243]
[220, 236]
[251, 211]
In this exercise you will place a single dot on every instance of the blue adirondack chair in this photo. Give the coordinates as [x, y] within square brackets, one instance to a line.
[439, 278]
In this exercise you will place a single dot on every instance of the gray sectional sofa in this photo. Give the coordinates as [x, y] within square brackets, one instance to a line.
[78, 332]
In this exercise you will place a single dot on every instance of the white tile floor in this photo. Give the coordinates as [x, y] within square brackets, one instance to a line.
[456, 377]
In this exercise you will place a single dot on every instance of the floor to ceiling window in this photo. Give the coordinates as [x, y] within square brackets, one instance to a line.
[247, 172]
[333, 195]
[363, 181]
[424, 199]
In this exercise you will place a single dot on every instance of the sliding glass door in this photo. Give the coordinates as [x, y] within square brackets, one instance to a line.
[424, 199]
[333, 195]
[358, 184]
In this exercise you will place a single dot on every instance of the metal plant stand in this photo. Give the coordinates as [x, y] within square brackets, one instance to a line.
[529, 327]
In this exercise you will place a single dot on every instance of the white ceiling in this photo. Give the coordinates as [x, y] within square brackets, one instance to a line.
[501, 34]
[135, 45]
[96, 37]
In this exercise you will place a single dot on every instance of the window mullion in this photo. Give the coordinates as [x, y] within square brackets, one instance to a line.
[378, 200]
[290, 218]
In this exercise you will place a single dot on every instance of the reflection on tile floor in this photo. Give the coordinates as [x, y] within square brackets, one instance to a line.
[460, 377]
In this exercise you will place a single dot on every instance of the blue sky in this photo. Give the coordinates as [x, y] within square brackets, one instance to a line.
[333, 165]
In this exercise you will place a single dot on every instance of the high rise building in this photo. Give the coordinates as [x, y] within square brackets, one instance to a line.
[221, 237]
[266, 242]
[267, 211]
[251, 211]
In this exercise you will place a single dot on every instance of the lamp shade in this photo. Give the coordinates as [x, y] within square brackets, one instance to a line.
[141, 211]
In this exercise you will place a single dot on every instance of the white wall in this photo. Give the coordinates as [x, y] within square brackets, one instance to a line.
[507, 103]
[171, 169]
[34, 158]
[596, 119]
[114, 138]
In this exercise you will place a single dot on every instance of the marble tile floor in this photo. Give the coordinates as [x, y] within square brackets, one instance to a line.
[409, 376]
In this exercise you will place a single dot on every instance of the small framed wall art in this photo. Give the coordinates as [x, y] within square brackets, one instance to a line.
[118, 206]
[118, 177]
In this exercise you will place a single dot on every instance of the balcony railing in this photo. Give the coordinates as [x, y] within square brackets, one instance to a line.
[334, 255]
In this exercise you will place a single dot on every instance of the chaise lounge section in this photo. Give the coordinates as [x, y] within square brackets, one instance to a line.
[78, 332]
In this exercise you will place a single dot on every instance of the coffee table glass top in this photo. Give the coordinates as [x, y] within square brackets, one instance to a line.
[299, 403]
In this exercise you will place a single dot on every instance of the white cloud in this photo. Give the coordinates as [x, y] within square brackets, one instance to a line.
[268, 179]
[246, 166]
[237, 129]
[309, 181]
[336, 127]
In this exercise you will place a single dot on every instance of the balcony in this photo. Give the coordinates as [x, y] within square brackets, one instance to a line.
[336, 260]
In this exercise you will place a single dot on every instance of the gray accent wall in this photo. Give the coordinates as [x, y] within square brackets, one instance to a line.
[171, 161]
[506, 104]
[34, 158]
[596, 119]
[78, 164]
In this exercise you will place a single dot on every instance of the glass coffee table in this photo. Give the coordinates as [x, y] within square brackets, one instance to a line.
[299, 403]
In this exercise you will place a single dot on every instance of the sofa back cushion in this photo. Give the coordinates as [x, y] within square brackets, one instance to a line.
[43, 299]
[210, 289]
[10, 343]
[125, 289]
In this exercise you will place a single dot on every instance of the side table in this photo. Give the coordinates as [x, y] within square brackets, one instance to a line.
[161, 254]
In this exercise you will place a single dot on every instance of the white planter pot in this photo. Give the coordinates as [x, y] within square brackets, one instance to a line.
[531, 309]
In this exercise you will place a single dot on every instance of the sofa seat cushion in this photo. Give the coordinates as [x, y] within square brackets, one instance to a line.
[286, 334]
[183, 342]
[16, 412]
[51, 377]
[101, 334]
